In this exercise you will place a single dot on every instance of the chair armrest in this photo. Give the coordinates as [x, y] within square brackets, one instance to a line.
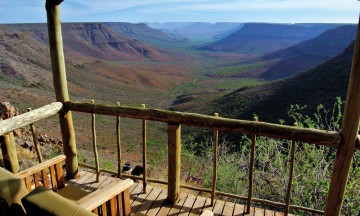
[41, 166]
[118, 189]
[53, 166]
[45, 202]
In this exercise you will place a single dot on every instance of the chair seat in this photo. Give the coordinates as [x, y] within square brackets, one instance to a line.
[72, 193]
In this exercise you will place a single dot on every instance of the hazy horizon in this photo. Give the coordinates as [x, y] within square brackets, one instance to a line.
[141, 11]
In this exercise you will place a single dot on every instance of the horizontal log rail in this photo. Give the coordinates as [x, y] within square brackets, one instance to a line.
[30, 117]
[314, 136]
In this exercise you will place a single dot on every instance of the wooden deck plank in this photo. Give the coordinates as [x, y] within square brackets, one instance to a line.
[188, 204]
[198, 206]
[218, 207]
[228, 209]
[142, 199]
[269, 212]
[150, 199]
[175, 209]
[239, 210]
[259, 212]
[95, 185]
[83, 180]
[165, 208]
[83, 174]
[155, 208]
[207, 205]
[139, 200]
[135, 193]
[251, 212]
[154, 203]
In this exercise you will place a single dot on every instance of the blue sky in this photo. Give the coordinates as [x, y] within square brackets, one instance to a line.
[280, 11]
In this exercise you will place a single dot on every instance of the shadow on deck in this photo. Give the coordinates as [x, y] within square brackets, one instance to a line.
[153, 202]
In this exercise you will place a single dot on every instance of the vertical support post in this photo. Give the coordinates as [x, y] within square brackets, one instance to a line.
[60, 85]
[35, 139]
[144, 152]
[8, 148]
[291, 174]
[174, 154]
[251, 171]
[7, 141]
[96, 154]
[349, 134]
[215, 162]
[118, 143]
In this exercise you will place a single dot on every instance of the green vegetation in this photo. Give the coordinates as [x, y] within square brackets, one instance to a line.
[238, 70]
[312, 168]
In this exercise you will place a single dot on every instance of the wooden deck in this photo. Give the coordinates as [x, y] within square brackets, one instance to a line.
[153, 203]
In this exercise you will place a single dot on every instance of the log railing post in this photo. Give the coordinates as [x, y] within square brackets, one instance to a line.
[349, 134]
[251, 171]
[60, 85]
[215, 162]
[174, 153]
[35, 140]
[7, 141]
[291, 175]
[144, 123]
[118, 136]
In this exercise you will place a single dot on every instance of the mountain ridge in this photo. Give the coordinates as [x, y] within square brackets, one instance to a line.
[309, 53]
[270, 102]
[261, 38]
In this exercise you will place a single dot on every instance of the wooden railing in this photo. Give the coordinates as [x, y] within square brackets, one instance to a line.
[216, 123]
[174, 121]
[7, 126]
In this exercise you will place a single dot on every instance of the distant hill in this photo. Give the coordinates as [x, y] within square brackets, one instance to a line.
[100, 64]
[261, 38]
[197, 30]
[309, 53]
[143, 33]
[98, 41]
[271, 101]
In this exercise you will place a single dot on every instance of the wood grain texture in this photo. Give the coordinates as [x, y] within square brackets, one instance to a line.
[28, 118]
[223, 124]
[60, 85]
[41, 166]
[174, 154]
[104, 194]
[349, 134]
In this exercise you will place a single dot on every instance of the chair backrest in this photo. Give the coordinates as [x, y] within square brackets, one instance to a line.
[11, 187]
[49, 174]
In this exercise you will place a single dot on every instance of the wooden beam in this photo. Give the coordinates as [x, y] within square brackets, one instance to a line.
[7, 141]
[8, 148]
[28, 118]
[174, 154]
[349, 135]
[315, 136]
[60, 85]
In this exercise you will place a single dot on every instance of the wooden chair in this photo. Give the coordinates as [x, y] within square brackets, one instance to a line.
[113, 199]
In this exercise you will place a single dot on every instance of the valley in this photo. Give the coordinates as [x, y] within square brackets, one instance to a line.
[237, 70]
